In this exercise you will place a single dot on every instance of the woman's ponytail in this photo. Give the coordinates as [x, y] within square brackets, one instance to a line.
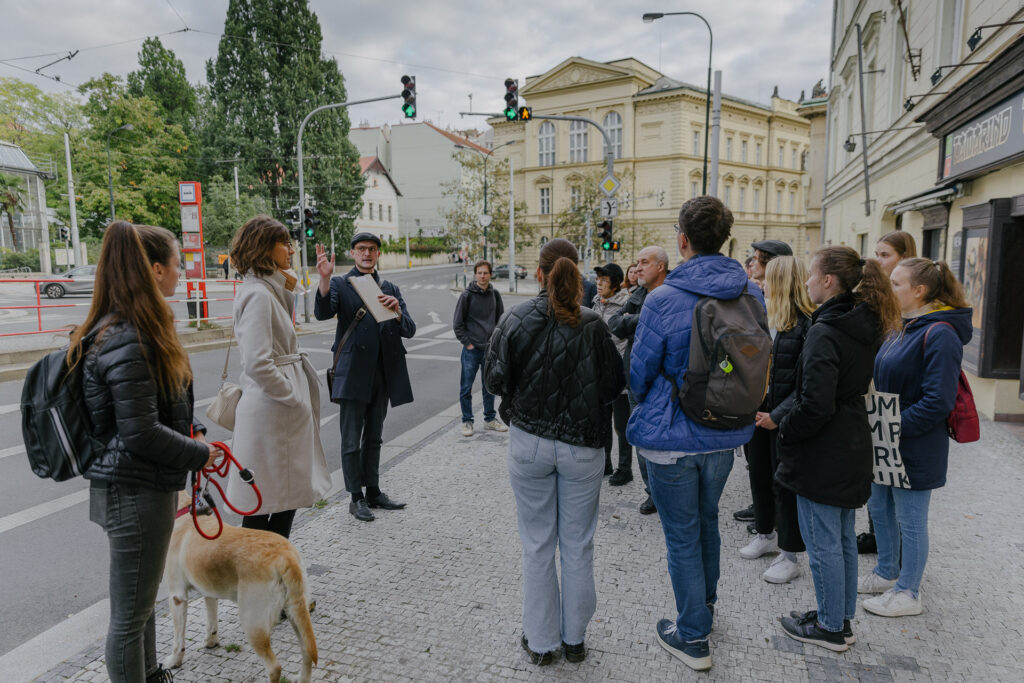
[875, 291]
[558, 259]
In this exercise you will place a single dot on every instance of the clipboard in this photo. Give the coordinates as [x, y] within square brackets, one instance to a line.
[367, 289]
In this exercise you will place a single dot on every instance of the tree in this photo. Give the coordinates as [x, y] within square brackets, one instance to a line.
[12, 201]
[222, 216]
[463, 218]
[267, 76]
[161, 78]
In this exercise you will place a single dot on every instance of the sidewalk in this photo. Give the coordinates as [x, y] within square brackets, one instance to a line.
[434, 592]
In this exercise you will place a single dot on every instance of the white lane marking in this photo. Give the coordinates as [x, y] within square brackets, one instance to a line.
[13, 521]
[13, 450]
[415, 286]
[427, 329]
[434, 317]
[9, 408]
[450, 334]
[51, 647]
[426, 344]
[425, 357]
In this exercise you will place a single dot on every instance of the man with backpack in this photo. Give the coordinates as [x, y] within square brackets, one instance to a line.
[698, 370]
[477, 312]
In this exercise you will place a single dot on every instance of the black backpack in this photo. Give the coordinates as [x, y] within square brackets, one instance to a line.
[730, 358]
[55, 423]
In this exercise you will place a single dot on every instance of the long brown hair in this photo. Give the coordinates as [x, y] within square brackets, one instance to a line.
[785, 294]
[562, 279]
[252, 248]
[940, 285]
[126, 289]
[865, 278]
[901, 242]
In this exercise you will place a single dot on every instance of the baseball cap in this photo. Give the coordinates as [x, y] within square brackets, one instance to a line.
[612, 271]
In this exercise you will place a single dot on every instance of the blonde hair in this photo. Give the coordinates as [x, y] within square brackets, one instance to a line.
[785, 293]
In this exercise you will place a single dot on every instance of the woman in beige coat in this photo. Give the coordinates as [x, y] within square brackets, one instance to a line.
[277, 423]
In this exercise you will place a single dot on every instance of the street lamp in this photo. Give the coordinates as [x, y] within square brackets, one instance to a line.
[486, 156]
[110, 177]
[648, 18]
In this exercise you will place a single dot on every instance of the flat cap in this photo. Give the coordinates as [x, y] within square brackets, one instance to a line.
[364, 237]
[773, 247]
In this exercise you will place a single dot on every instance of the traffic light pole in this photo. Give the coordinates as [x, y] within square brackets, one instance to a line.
[302, 187]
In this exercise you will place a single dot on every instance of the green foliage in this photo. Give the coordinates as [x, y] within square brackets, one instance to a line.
[19, 259]
[11, 201]
[222, 216]
[161, 78]
[260, 89]
[423, 246]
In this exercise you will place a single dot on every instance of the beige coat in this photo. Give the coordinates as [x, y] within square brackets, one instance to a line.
[277, 424]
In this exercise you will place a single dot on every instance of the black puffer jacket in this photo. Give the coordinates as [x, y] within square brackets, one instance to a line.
[824, 440]
[553, 379]
[145, 436]
[785, 361]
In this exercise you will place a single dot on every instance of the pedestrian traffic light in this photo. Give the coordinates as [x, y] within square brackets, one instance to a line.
[525, 113]
[606, 235]
[409, 96]
[63, 233]
[311, 221]
[511, 99]
[615, 245]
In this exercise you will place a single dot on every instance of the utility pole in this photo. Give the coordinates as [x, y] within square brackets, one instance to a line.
[513, 281]
[716, 125]
[72, 209]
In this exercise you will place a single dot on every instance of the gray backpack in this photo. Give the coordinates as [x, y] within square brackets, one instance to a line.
[730, 357]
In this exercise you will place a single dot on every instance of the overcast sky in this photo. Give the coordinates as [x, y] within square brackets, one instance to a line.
[453, 47]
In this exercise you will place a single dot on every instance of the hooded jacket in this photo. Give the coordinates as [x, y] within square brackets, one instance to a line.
[925, 375]
[824, 440]
[662, 344]
[476, 313]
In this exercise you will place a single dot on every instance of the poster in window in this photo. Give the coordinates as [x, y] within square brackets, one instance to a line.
[975, 268]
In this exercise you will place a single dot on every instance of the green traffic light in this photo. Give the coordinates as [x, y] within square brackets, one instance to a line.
[606, 245]
[409, 110]
[511, 114]
[309, 232]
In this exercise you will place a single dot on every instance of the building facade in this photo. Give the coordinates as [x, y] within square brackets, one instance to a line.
[31, 224]
[380, 214]
[657, 129]
[941, 140]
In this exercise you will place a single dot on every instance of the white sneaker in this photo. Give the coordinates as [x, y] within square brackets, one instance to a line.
[762, 543]
[495, 426]
[873, 583]
[782, 570]
[467, 429]
[894, 603]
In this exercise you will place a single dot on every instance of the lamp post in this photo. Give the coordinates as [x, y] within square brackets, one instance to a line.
[648, 18]
[486, 156]
[110, 176]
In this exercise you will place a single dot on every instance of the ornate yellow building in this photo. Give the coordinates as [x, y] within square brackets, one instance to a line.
[657, 130]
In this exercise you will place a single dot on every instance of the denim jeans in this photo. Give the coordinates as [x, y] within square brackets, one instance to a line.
[473, 363]
[557, 487]
[900, 515]
[828, 532]
[686, 494]
[138, 523]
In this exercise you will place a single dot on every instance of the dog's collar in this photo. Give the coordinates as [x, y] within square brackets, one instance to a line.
[201, 511]
[183, 511]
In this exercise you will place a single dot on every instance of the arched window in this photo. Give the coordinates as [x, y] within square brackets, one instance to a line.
[577, 141]
[546, 144]
[613, 126]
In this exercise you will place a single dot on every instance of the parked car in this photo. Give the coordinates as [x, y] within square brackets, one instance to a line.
[76, 281]
[502, 271]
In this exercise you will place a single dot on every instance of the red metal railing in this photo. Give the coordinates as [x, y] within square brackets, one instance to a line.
[39, 307]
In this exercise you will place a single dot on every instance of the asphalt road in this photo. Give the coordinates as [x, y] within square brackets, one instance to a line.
[53, 560]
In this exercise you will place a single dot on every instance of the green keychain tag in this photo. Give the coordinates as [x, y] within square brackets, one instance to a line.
[726, 365]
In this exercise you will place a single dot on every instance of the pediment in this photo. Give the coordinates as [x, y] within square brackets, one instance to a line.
[578, 71]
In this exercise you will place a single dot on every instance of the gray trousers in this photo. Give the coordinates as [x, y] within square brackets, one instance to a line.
[362, 426]
[138, 523]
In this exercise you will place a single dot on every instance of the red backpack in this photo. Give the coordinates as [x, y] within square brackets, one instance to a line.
[962, 423]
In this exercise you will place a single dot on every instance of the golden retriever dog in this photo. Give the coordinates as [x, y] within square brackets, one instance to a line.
[258, 570]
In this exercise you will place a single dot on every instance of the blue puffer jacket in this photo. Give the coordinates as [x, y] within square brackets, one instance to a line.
[925, 376]
[658, 423]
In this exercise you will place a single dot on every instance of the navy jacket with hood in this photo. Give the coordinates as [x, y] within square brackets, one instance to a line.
[925, 376]
[662, 344]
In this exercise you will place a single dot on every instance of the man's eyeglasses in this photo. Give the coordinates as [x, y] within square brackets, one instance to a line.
[368, 250]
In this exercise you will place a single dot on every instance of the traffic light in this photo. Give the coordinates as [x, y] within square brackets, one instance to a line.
[292, 216]
[606, 236]
[511, 99]
[409, 96]
[311, 222]
[525, 113]
[63, 233]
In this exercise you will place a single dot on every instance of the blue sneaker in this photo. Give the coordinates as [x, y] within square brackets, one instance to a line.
[695, 654]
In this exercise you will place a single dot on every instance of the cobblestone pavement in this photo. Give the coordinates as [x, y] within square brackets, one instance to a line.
[433, 592]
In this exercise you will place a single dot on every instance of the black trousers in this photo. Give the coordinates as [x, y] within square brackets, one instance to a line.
[362, 425]
[278, 522]
[620, 416]
[641, 461]
[774, 506]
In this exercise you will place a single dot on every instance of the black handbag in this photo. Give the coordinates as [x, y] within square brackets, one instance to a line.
[337, 352]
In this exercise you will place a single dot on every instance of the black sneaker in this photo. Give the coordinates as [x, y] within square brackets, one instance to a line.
[574, 653]
[866, 544]
[647, 507]
[695, 654]
[744, 515]
[813, 616]
[807, 631]
[538, 658]
[620, 477]
[161, 675]
[752, 529]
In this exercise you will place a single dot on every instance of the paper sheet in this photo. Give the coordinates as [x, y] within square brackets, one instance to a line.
[367, 289]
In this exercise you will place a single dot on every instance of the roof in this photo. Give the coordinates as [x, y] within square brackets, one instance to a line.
[367, 164]
[665, 84]
[458, 139]
[14, 159]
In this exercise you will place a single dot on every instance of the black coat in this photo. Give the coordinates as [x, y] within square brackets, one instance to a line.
[786, 349]
[824, 440]
[370, 344]
[145, 435]
[554, 379]
[476, 314]
[623, 322]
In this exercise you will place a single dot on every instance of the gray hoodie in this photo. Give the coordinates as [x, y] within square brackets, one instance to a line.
[476, 314]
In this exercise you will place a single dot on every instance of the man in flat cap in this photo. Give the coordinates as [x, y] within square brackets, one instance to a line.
[765, 251]
[369, 369]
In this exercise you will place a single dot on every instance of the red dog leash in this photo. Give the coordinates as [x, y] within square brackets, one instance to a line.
[222, 470]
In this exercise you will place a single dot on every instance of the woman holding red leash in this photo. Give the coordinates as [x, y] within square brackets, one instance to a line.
[137, 384]
[277, 421]
[922, 365]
